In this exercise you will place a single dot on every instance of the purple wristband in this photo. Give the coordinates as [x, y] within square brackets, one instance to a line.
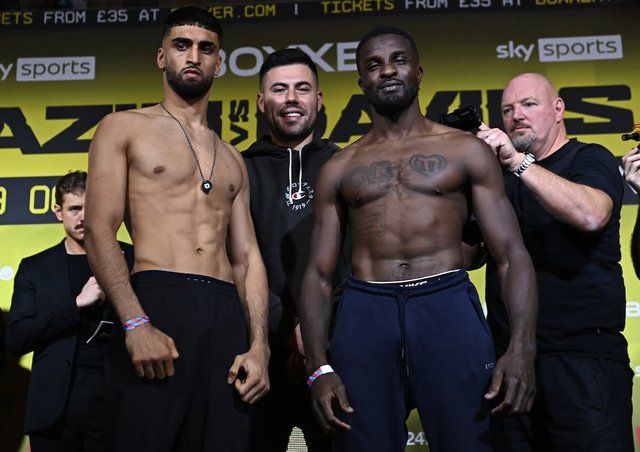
[135, 322]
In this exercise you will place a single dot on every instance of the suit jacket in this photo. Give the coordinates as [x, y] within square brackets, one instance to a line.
[44, 319]
[1, 341]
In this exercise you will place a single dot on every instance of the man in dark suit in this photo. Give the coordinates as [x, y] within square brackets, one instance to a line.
[1, 341]
[56, 309]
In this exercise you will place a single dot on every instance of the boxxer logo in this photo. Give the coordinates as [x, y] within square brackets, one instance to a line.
[513, 50]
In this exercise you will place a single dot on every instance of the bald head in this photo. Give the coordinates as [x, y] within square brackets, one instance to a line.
[532, 114]
[531, 79]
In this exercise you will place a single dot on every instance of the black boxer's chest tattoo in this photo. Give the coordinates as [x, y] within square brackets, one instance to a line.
[428, 165]
[382, 171]
[371, 183]
[372, 221]
[375, 173]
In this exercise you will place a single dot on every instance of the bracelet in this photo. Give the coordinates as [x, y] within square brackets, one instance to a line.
[326, 369]
[135, 322]
[528, 160]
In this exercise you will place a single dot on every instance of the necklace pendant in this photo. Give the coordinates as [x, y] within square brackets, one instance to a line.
[206, 186]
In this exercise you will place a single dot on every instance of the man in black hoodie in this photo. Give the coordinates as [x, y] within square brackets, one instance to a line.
[283, 167]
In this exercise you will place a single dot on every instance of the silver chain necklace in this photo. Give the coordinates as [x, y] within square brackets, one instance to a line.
[207, 184]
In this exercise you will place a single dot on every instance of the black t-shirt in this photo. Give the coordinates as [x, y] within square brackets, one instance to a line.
[580, 286]
[92, 354]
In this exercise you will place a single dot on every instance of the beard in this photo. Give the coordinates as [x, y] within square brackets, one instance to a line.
[523, 143]
[292, 134]
[188, 89]
[395, 102]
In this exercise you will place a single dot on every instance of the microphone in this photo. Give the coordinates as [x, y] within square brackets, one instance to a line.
[631, 136]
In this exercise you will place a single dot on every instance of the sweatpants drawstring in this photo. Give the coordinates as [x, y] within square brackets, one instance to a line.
[401, 298]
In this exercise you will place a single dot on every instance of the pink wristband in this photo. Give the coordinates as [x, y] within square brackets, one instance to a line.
[326, 369]
[135, 322]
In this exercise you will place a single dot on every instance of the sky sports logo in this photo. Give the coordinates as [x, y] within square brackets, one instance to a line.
[580, 48]
[575, 48]
[55, 69]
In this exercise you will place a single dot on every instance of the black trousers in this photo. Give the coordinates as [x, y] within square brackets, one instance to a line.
[82, 426]
[286, 405]
[582, 404]
[195, 409]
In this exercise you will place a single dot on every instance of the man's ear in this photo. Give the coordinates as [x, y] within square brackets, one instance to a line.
[57, 209]
[160, 59]
[261, 102]
[558, 107]
[218, 66]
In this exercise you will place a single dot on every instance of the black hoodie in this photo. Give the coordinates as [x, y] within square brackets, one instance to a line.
[282, 195]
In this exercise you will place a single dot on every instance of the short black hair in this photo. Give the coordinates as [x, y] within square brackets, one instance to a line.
[192, 15]
[287, 57]
[380, 31]
[72, 182]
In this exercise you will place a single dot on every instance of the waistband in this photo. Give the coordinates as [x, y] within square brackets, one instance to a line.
[184, 279]
[420, 286]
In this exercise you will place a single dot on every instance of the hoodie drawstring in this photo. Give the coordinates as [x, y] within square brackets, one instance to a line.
[291, 175]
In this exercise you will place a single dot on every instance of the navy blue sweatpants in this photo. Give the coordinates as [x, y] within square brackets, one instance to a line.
[427, 347]
[195, 409]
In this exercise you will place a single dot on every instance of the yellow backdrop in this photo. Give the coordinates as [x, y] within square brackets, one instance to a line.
[61, 71]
